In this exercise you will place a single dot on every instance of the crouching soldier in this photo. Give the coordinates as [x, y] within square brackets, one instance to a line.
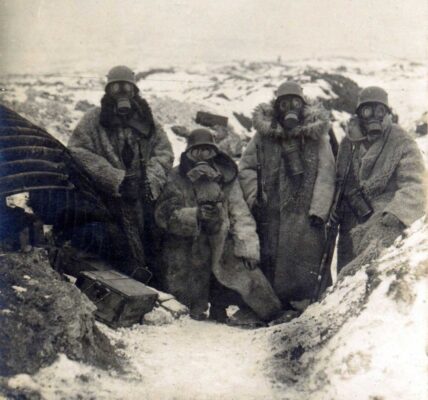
[384, 190]
[292, 150]
[128, 156]
[209, 230]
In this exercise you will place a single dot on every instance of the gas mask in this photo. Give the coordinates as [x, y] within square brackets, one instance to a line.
[290, 110]
[373, 119]
[122, 93]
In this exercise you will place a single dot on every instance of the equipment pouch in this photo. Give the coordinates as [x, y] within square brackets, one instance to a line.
[359, 204]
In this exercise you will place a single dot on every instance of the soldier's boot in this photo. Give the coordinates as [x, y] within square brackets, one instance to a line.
[218, 314]
[246, 318]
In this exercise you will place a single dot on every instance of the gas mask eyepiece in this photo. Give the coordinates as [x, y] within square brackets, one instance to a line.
[202, 153]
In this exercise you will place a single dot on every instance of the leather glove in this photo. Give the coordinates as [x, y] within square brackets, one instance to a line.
[391, 221]
[203, 170]
[129, 188]
[315, 221]
[208, 212]
[249, 264]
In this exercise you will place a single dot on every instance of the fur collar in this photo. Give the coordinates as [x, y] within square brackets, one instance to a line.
[316, 122]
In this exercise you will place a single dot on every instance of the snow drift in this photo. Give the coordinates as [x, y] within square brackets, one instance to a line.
[367, 338]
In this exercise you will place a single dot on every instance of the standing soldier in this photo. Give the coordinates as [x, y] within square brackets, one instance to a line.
[128, 156]
[293, 151]
[384, 190]
[209, 231]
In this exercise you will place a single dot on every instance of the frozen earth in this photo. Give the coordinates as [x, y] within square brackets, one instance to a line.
[366, 340]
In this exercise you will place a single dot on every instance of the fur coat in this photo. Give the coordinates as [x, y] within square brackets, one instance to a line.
[99, 153]
[391, 175]
[291, 202]
[189, 255]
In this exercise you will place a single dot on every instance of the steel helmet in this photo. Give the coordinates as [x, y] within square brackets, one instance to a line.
[200, 136]
[373, 94]
[121, 73]
[290, 88]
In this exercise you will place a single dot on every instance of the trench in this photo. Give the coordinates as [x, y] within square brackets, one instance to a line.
[184, 360]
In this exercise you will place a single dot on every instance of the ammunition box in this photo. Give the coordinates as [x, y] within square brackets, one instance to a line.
[121, 301]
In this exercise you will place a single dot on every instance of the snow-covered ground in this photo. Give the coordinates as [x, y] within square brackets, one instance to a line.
[184, 361]
[376, 346]
[367, 339]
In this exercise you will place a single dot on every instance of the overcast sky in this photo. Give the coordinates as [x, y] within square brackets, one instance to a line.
[51, 34]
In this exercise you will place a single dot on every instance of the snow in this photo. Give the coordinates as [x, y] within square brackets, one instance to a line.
[178, 143]
[183, 361]
[19, 289]
[372, 360]
[320, 89]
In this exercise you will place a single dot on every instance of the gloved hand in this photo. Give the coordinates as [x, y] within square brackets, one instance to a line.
[391, 221]
[208, 212]
[203, 170]
[129, 188]
[249, 264]
[209, 217]
[315, 221]
[257, 207]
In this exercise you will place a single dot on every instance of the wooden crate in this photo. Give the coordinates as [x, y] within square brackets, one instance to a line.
[121, 301]
[208, 119]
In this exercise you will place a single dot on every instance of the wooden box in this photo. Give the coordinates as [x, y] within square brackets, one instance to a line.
[208, 119]
[121, 301]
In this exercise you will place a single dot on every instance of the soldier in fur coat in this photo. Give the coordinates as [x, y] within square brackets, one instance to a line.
[209, 230]
[385, 191]
[114, 143]
[298, 172]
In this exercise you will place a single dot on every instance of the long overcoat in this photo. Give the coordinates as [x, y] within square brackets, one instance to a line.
[391, 173]
[190, 256]
[295, 246]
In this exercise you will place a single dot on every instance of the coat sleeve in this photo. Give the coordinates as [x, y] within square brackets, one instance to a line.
[160, 161]
[172, 215]
[242, 225]
[248, 171]
[324, 187]
[408, 203]
[82, 145]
